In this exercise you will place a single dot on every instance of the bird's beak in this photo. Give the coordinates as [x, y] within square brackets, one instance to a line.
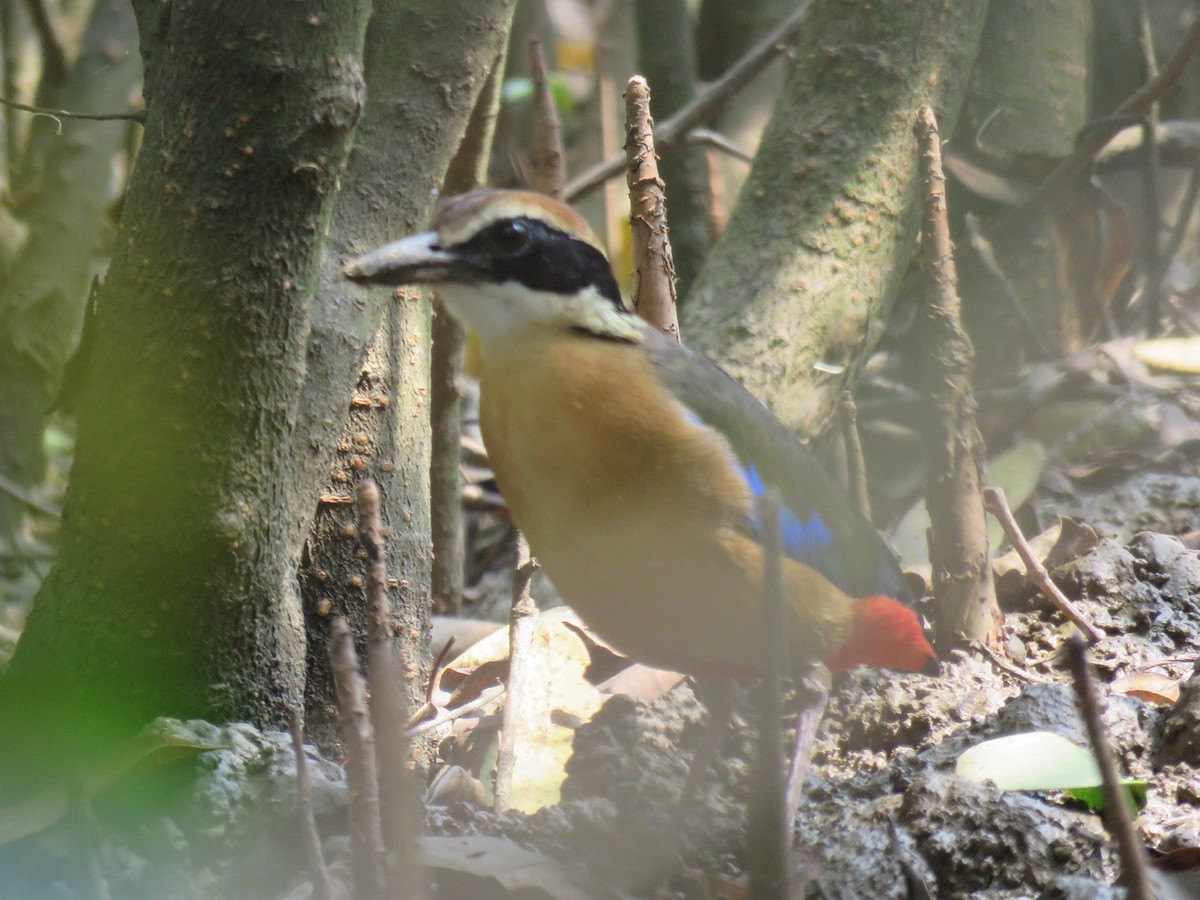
[419, 259]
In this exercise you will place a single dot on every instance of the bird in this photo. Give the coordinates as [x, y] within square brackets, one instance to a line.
[634, 465]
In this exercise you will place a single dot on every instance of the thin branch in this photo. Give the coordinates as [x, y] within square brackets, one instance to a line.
[1134, 872]
[1151, 217]
[21, 495]
[139, 116]
[551, 172]
[958, 546]
[354, 722]
[522, 629]
[87, 834]
[1179, 231]
[606, 90]
[654, 281]
[706, 137]
[486, 696]
[996, 503]
[467, 170]
[399, 818]
[672, 131]
[317, 869]
[1000, 663]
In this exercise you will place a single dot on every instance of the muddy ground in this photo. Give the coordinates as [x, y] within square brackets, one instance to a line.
[883, 808]
[883, 816]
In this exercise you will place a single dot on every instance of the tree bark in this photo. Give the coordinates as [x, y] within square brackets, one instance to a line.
[826, 224]
[220, 373]
[426, 66]
[174, 592]
[958, 541]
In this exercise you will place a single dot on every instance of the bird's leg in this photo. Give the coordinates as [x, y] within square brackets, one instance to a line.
[812, 694]
[718, 696]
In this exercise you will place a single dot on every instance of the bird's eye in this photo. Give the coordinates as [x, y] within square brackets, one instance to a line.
[511, 236]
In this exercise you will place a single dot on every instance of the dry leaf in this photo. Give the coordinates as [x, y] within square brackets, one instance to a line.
[641, 682]
[1058, 545]
[1153, 687]
[559, 696]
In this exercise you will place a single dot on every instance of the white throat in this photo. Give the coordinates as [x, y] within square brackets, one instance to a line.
[494, 310]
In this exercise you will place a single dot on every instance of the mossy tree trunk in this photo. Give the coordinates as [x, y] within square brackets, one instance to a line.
[826, 224]
[225, 356]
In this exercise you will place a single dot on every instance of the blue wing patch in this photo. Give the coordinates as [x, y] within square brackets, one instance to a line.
[802, 538]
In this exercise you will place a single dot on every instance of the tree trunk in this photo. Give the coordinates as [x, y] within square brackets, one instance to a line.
[426, 66]
[1028, 99]
[42, 298]
[220, 375]
[174, 592]
[826, 224]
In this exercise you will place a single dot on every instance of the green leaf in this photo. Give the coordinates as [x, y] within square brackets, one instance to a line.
[1041, 761]
[520, 89]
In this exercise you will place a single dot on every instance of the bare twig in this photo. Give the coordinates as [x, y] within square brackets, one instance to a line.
[445, 470]
[399, 815]
[705, 137]
[551, 172]
[139, 116]
[767, 826]
[856, 469]
[354, 722]
[1134, 871]
[83, 823]
[467, 170]
[606, 91]
[308, 823]
[1000, 663]
[653, 268]
[522, 629]
[21, 495]
[666, 57]
[672, 131]
[962, 574]
[996, 503]
[486, 696]
[1137, 104]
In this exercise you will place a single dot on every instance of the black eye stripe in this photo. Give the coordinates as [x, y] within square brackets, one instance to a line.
[546, 259]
